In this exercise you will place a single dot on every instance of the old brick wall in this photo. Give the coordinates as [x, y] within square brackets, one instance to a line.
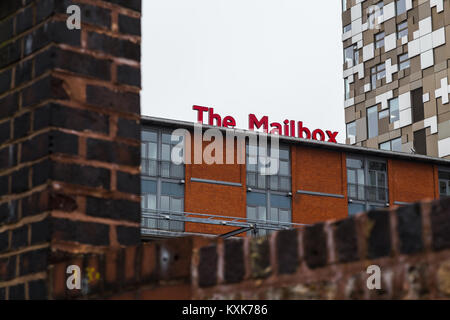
[329, 260]
[69, 135]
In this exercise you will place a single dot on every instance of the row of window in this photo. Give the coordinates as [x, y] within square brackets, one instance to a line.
[378, 72]
[393, 114]
[400, 6]
[268, 196]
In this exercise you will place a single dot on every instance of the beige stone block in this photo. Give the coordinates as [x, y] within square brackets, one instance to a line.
[432, 145]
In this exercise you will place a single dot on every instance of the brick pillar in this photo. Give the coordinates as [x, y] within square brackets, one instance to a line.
[69, 135]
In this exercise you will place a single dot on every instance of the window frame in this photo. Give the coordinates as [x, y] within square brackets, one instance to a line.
[159, 180]
[390, 142]
[367, 203]
[353, 123]
[403, 62]
[354, 55]
[444, 170]
[397, 5]
[381, 40]
[267, 190]
[377, 72]
[369, 109]
[397, 111]
[347, 90]
[401, 30]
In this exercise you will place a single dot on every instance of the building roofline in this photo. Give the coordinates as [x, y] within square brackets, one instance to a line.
[147, 120]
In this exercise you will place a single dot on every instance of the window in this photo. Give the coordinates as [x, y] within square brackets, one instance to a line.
[444, 183]
[401, 6]
[393, 145]
[372, 121]
[347, 28]
[268, 208]
[377, 73]
[417, 105]
[267, 198]
[351, 130]
[344, 5]
[402, 29]
[420, 141]
[367, 184]
[383, 114]
[161, 185]
[403, 61]
[351, 56]
[379, 40]
[380, 6]
[347, 89]
[394, 111]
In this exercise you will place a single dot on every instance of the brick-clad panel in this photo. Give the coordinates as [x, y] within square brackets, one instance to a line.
[287, 251]
[113, 209]
[19, 237]
[82, 232]
[6, 29]
[33, 261]
[8, 7]
[116, 101]
[114, 46]
[8, 212]
[234, 261]
[129, 183]
[207, 268]
[410, 229]
[8, 268]
[315, 246]
[67, 118]
[23, 72]
[129, 25]
[346, 240]
[379, 240]
[37, 289]
[81, 175]
[5, 80]
[4, 241]
[17, 292]
[10, 104]
[440, 225]
[114, 152]
[131, 4]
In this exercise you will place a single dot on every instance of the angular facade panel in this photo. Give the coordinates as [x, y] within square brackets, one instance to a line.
[402, 48]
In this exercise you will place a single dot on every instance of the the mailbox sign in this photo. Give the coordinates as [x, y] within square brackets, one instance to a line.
[289, 128]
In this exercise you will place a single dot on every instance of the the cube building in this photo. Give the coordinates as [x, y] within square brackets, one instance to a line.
[396, 75]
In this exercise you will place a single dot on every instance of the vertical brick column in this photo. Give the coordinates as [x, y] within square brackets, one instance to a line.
[69, 135]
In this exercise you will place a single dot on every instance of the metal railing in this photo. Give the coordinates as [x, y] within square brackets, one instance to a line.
[368, 193]
[201, 218]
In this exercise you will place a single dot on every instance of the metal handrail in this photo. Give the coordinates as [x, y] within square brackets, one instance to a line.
[181, 216]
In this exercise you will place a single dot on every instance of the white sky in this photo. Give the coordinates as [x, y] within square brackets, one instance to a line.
[280, 58]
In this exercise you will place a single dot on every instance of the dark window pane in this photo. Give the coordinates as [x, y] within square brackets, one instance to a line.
[256, 199]
[420, 141]
[277, 201]
[148, 186]
[372, 121]
[417, 104]
[354, 208]
[172, 189]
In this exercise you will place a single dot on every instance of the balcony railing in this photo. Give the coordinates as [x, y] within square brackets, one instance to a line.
[368, 193]
[173, 221]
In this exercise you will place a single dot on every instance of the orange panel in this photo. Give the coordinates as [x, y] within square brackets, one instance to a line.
[323, 171]
[411, 181]
[212, 198]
